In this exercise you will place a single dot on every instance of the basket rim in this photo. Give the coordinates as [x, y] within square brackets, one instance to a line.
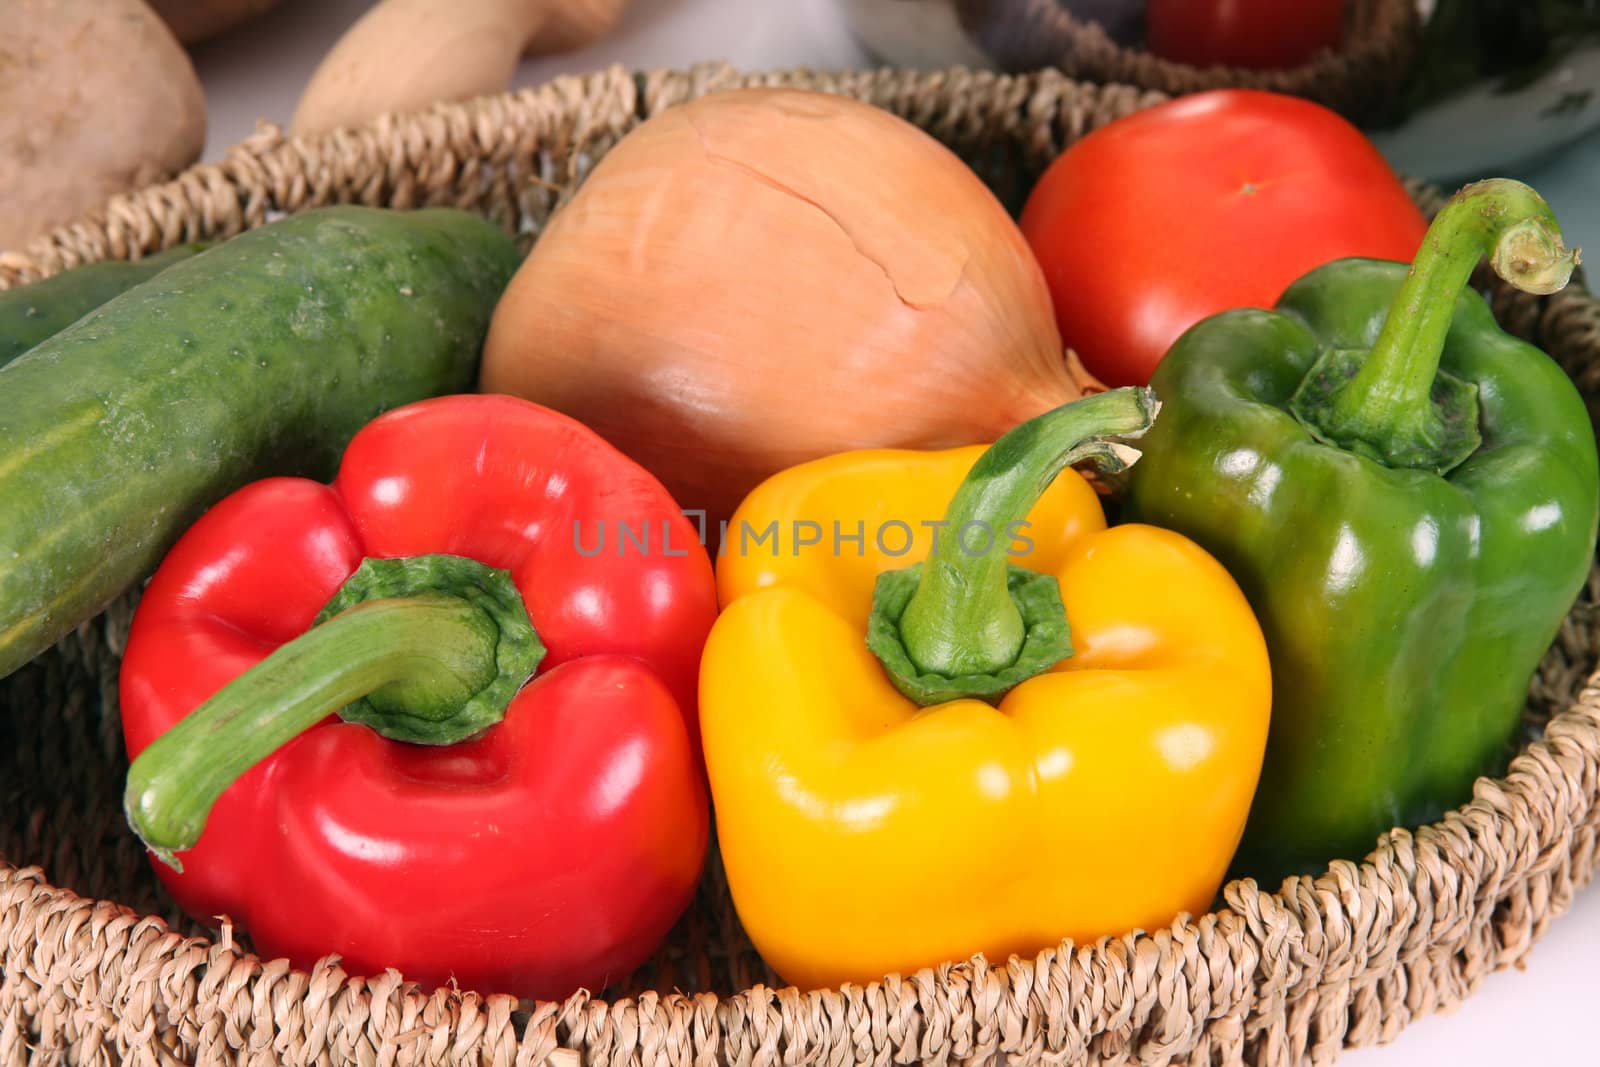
[1380, 40]
[1507, 831]
[141, 222]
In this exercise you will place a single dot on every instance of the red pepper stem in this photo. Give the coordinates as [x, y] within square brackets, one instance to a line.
[966, 622]
[432, 666]
[1393, 404]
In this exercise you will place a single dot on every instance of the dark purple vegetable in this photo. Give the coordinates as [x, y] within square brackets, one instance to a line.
[1027, 34]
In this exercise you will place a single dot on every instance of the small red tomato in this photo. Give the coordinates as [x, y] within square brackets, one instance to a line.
[1211, 201]
[1259, 34]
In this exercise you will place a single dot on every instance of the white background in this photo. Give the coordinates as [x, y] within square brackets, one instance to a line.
[1538, 1016]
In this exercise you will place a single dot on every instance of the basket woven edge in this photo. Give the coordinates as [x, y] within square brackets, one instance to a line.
[296, 173]
[1382, 39]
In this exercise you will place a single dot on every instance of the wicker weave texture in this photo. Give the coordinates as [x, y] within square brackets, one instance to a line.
[96, 967]
[1360, 79]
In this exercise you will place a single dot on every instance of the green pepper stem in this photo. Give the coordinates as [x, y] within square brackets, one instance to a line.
[434, 665]
[963, 618]
[1395, 408]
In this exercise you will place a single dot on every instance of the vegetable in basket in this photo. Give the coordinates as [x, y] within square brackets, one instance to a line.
[1254, 34]
[1212, 201]
[912, 765]
[260, 356]
[30, 313]
[1409, 498]
[764, 276]
[457, 824]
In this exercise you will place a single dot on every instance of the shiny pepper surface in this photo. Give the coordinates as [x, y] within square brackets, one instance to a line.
[864, 834]
[1408, 497]
[464, 823]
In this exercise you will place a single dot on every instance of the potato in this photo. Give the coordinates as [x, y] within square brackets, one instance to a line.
[193, 21]
[404, 55]
[96, 97]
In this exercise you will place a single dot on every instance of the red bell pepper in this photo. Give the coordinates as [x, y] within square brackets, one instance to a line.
[533, 855]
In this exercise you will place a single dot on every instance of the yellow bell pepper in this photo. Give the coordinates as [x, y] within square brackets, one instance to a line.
[866, 834]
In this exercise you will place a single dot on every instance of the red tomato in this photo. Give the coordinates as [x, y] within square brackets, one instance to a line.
[1242, 33]
[1207, 202]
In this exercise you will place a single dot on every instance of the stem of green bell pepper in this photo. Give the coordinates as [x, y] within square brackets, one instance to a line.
[1393, 404]
[967, 622]
[425, 649]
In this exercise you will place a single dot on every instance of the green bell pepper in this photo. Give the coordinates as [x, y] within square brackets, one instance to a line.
[1407, 496]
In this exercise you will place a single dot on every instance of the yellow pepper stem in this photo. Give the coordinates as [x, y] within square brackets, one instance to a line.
[967, 622]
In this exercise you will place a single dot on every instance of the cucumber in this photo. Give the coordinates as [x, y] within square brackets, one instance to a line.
[30, 313]
[262, 356]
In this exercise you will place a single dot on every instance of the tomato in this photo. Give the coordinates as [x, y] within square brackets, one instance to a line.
[1243, 33]
[1210, 201]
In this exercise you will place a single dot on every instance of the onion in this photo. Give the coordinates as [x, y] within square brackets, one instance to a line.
[762, 277]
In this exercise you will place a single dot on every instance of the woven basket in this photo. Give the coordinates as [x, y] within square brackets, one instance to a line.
[1359, 80]
[97, 967]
